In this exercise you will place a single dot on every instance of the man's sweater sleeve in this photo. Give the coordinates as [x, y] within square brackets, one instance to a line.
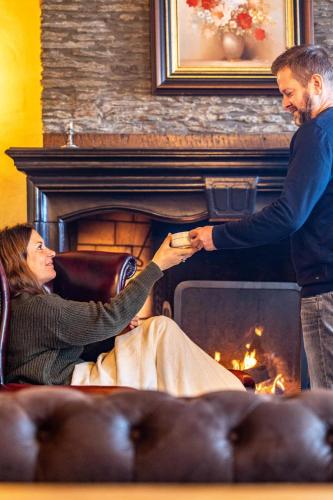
[81, 323]
[308, 175]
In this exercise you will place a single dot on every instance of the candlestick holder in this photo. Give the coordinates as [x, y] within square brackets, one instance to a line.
[70, 137]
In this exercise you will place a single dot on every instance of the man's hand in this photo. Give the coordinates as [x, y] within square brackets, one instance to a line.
[202, 237]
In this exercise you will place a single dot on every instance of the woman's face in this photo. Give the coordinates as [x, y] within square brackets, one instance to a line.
[40, 259]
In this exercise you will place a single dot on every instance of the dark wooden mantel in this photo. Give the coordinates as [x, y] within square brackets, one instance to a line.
[167, 184]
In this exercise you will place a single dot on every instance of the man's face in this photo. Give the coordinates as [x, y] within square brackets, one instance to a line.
[298, 100]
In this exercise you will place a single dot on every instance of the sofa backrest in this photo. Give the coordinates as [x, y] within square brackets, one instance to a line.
[62, 435]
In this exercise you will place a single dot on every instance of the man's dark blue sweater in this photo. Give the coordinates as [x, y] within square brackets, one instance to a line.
[304, 211]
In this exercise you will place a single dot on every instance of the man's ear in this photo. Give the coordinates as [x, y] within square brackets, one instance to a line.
[316, 83]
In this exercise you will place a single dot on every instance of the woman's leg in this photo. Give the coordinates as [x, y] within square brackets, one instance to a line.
[158, 355]
[183, 368]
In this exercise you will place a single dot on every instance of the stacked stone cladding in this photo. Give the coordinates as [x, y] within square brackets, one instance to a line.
[97, 71]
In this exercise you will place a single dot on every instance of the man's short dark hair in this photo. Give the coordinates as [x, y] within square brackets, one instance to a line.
[305, 61]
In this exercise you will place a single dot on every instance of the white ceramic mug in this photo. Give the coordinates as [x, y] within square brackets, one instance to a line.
[181, 240]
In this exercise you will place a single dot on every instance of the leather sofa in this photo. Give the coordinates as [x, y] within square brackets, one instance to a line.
[61, 435]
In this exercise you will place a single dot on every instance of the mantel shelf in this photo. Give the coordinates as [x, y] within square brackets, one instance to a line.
[167, 184]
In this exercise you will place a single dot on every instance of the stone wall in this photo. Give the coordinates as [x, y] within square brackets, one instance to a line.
[96, 70]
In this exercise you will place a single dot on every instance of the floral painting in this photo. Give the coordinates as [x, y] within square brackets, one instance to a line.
[224, 46]
[221, 32]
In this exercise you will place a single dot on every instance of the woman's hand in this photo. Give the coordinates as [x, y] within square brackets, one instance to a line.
[134, 322]
[167, 256]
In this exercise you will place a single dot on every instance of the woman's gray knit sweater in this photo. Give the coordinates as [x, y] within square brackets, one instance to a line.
[48, 333]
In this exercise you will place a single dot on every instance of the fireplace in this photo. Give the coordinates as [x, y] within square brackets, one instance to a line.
[177, 189]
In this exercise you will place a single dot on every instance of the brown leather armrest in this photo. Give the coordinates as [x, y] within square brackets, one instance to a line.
[94, 276]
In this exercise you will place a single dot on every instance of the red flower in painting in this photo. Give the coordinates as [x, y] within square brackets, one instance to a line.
[259, 34]
[192, 3]
[209, 4]
[244, 20]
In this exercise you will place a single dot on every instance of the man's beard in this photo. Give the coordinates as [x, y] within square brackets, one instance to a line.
[305, 114]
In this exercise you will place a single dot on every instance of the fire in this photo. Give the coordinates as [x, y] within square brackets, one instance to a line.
[248, 362]
[273, 384]
[217, 356]
[259, 330]
[267, 387]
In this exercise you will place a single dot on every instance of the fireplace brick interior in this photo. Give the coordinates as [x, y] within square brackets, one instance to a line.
[119, 232]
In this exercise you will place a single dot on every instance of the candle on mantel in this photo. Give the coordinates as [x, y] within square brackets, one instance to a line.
[70, 137]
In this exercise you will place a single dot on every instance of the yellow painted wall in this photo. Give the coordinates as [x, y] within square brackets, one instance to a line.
[20, 99]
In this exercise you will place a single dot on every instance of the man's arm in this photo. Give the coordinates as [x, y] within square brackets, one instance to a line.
[308, 175]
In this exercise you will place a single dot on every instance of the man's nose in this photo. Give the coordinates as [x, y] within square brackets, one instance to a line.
[285, 102]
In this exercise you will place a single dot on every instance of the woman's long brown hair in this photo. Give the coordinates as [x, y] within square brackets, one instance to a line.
[13, 254]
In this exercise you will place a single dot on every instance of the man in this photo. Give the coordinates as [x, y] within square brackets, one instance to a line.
[304, 211]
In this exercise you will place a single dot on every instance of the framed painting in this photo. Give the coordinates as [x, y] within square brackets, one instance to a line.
[223, 46]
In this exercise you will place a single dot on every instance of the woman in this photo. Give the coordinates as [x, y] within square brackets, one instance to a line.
[48, 333]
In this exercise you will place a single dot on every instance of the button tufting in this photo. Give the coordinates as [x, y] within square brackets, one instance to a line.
[330, 437]
[234, 436]
[135, 434]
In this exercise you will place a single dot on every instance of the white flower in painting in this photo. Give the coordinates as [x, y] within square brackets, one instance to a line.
[228, 6]
[233, 25]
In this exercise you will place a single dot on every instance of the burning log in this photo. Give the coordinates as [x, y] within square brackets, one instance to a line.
[259, 373]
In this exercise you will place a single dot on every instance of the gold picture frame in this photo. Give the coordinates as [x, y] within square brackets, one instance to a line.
[189, 50]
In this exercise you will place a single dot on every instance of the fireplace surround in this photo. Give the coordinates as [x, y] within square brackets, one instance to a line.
[177, 188]
[170, 185]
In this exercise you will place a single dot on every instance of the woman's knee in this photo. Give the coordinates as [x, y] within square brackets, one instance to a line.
[164, 323]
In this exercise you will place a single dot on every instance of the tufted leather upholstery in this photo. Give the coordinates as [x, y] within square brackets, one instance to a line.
[56, 434]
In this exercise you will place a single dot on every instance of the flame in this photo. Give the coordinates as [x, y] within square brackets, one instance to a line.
[217, 356]
[259, 330]
[269, 387]
[249, 360]
[276, 386]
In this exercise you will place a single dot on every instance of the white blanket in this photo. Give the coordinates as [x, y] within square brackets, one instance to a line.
[157, 355]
